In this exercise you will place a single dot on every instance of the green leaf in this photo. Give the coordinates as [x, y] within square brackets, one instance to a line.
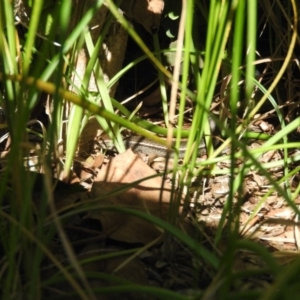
[173, 16]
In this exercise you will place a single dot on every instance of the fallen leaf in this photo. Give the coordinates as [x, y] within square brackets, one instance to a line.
[145, 196]
[128, 168]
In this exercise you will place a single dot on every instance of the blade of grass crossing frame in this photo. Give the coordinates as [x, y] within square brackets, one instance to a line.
[162, 84]
[57, 126]
[111, 128]
[32, 34]
[229, 214]
[75, 124]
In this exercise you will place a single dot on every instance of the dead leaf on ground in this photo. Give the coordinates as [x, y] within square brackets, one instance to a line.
[128, 168]
[125, 169]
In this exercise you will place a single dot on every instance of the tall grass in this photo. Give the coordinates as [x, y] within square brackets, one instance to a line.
[32, 67]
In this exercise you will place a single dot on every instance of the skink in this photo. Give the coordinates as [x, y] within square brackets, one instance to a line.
[139, 144]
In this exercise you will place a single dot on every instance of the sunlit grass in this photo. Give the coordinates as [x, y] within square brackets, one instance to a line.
[30, 66]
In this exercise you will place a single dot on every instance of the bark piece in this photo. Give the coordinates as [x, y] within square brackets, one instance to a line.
[145, 12]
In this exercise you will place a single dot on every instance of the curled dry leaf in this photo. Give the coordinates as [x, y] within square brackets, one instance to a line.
[145, 196]
[128, 168]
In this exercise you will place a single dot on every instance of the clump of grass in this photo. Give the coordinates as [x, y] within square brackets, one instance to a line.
[39, 62]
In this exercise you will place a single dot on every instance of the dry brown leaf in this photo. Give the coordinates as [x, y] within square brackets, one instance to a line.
[123, 227]
[128, 168]
[272, 155]
[145, 196]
